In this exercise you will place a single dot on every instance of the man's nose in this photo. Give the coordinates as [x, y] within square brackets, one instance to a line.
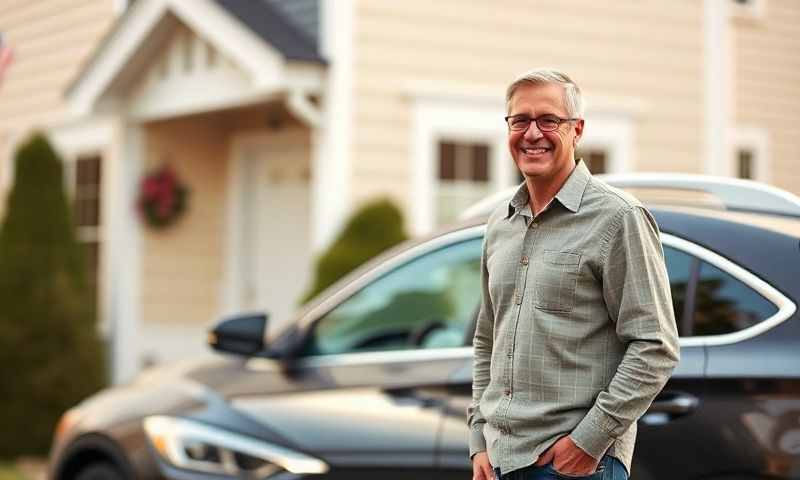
[533, 131]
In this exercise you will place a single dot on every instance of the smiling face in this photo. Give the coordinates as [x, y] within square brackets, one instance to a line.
[543, 156]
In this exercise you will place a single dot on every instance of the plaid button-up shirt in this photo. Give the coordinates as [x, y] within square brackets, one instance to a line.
[576, 333]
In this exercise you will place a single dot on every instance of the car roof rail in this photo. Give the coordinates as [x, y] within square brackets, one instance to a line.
[734, 193]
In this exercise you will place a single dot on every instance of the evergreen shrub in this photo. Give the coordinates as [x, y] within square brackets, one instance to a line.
[50, 353]
[373, 228]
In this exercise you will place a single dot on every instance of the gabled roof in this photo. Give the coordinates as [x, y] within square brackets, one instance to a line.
[271, 24]
[256, 36]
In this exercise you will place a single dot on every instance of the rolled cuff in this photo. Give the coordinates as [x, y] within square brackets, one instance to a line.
[477, 442]
[590, 436]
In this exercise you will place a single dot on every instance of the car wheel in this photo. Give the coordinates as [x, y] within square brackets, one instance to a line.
[100, 471]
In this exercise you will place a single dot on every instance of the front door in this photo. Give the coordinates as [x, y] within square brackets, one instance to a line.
[272, 248]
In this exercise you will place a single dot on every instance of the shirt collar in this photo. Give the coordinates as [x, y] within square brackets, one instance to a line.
[571, 192]
[570, 195]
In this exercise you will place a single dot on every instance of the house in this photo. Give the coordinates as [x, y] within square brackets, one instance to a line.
[281, 116]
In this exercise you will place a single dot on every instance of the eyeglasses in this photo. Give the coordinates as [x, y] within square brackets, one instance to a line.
[545, 123]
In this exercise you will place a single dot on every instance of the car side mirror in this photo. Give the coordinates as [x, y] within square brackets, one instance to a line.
[242, 335]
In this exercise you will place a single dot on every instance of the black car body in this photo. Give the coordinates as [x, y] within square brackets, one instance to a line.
[373, 379]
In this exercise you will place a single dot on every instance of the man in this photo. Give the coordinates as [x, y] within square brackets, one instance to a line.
[576, 333]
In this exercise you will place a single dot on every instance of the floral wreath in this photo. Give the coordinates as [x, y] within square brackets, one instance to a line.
[162, 197]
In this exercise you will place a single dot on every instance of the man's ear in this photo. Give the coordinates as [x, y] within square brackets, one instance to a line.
[578, 132]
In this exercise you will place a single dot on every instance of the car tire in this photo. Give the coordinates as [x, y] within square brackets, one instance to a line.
[100, 471]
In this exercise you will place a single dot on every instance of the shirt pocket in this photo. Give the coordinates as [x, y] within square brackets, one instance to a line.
[556, 280]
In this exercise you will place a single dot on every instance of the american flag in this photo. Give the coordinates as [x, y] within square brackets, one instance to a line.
[6, 56]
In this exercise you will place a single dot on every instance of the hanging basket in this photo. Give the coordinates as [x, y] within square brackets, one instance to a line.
[162, 197]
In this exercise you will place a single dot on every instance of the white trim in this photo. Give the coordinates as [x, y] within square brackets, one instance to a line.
[452, 118]
[114, 54]
[456, 115]
[82, 136]
[299, 104]
[124, 248]
[786, 308]
[613, 133]
[89, 136]
[755, 139]
[120, 6]
[233, 40]
[331, 171]
[718, 86]
[262, 62]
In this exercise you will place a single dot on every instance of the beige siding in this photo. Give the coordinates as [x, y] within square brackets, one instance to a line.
[650, 51]
[767, 66]
[182, 265]
[51, 40]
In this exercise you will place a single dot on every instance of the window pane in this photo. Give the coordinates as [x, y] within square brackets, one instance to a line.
[725, 305]
[426, 303]
[447, 161]
[679, 268]
[596, 160]
[463, 178]
[480, 163]
[87, 191]
[745, 161]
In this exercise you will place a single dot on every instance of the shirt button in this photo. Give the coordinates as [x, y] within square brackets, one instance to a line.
[524, 260]
[534, 224]
[508, 392]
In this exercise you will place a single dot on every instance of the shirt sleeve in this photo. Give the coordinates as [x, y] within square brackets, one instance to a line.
[482, 345]
[637, 294]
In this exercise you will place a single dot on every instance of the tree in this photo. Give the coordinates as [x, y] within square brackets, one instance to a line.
[369, 231]
[50, 354]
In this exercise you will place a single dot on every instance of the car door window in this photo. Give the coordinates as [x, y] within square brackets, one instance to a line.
[427, 302]
[724, 304]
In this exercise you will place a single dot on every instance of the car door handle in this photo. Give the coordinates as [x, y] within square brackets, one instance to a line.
[674, 403]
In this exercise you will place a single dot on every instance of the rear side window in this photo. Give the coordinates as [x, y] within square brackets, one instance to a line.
[680, 268]
[710, 301]
[723, 304]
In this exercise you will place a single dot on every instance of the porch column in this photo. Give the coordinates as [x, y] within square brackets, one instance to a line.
[123, 297]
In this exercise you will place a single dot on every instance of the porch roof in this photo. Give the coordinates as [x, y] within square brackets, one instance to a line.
[272, 53]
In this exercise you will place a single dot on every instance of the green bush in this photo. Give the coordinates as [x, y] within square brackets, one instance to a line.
[50, 354]
[372, 229]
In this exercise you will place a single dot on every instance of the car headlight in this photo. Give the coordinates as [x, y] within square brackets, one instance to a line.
[196, 446]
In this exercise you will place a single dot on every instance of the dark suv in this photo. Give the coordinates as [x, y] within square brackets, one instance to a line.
[372, 379]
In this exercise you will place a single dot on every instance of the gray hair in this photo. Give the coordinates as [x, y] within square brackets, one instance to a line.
[573, 101]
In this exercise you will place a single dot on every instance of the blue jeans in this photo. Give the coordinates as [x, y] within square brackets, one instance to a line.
[609, 469]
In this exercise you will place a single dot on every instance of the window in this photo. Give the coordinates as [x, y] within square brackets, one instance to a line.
[596, 160]
[463, 178]
[86, 204]
[724, 304]
[710, 301]
[744, 165]
[426, 303]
